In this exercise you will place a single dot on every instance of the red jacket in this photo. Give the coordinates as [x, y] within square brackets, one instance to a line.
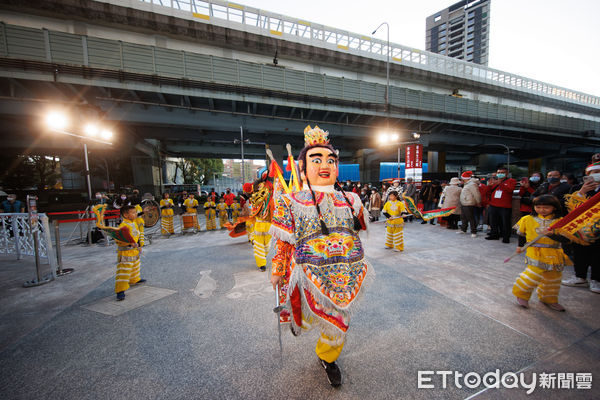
[501, 194]
[229, 198]
[525, 207]
[485, 195]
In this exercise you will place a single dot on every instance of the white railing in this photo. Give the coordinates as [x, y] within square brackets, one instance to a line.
[225, 13]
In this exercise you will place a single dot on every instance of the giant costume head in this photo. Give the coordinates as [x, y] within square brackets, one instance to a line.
[318, 161]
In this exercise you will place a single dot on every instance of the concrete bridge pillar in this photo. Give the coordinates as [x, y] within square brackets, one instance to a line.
[146, 174]
[436, 161]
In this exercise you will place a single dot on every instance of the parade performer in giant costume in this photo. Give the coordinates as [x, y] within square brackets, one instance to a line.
[319, 264]
[261, 199]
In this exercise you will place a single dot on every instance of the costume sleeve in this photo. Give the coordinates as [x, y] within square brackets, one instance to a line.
[386, 208]
[282, 257]
[402, 207]
[282, 222]
[521, 226]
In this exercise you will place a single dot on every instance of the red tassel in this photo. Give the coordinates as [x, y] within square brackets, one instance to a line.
[296, 303]
[288, 167]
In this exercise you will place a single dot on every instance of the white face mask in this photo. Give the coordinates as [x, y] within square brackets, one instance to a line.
[596, 176]
[563, 181]
[123, 197]
[98, 196]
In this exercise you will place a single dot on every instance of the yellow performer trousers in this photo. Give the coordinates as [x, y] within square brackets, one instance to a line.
[394, 236]
[261, 243]
[211, 222]
[326, 349]
[128, 269]
[546, 282]
[166, 225]
[223, 219]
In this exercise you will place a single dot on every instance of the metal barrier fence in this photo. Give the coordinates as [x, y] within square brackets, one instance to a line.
[17, 237]
[238, 16]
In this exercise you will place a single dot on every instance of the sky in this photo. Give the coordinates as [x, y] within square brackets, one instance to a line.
[554, 41]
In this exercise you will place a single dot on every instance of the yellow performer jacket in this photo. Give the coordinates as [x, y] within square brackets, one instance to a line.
[545, 253]
[209, 208]
[395, 209]
[125, 249]
[167, 211]
[189, 206]
[221, 207]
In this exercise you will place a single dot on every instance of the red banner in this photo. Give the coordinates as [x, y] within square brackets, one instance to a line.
[410, 156]
[418, 156]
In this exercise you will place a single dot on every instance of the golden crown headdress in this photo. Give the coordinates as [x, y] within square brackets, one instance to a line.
[315, 135]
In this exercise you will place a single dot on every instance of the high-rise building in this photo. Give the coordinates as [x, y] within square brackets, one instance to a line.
[461, 31]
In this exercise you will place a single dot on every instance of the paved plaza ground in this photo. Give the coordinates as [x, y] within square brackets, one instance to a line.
[203, 326]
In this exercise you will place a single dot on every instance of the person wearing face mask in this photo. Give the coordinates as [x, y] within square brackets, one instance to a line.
[585, 256]
[121, 201]
[528, 186]
[500, 208]
[555, 187]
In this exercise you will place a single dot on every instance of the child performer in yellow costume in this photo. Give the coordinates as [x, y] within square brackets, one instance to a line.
[394, 226]
[235, 210]
[128, 255]
[319, 265]
[191, 207]
[166, 215]
[545, 259]
[209, 212]
[139, 220]
[222, 210]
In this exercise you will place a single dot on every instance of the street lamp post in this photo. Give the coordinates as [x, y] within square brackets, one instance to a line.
[242, 151]
[387, 87]
[393, 138]
[507, 154]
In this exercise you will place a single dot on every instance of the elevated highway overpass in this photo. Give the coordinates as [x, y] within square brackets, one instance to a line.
[182, 79]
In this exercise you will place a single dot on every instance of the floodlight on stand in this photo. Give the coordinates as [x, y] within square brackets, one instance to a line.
[383, 138]
[106, 134]
[91, 130]
[57, 120]
[394, 137]
[416, 135]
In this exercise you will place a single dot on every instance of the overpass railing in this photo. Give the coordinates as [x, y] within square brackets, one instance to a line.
[149, 63]
[238, 16]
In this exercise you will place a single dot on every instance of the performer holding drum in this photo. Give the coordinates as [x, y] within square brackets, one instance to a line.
[190, 217]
